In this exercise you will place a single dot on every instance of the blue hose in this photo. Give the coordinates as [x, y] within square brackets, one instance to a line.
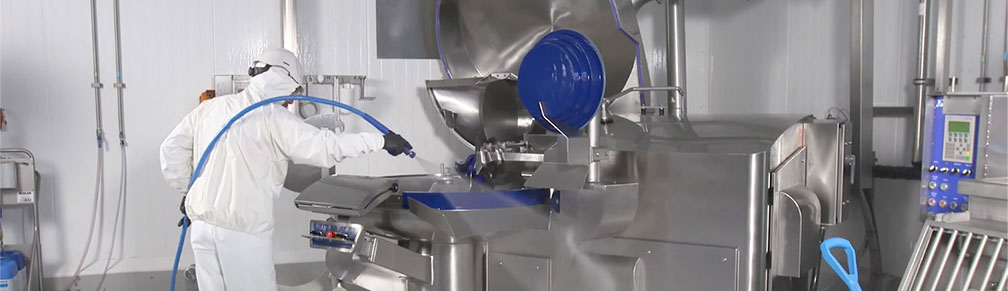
[206, 153]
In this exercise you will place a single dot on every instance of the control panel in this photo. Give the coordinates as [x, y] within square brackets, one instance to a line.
[953, 158]
[340, 236]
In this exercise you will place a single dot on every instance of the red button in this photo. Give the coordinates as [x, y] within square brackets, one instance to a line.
[330, 234]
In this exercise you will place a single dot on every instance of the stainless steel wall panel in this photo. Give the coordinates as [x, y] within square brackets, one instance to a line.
[405, 29]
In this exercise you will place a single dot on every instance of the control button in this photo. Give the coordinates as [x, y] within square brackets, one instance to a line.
[932, 185]
[942, 204]
[944, 186]
[965, 207]
[943, 170]
[955, 170]
[966, 172]
[954, 205]
[315, 233]
[330, 234]
[932, 168]
[931, 202]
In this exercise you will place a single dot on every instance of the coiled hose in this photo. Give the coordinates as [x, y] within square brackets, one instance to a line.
[206, 153]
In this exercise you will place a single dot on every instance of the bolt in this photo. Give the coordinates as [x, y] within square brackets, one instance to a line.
[724, 259]
[500, 262]
[648, 251]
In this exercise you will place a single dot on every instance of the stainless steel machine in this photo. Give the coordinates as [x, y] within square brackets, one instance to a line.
[634, 198]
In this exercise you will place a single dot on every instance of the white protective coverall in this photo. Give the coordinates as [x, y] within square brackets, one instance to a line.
[231, 204]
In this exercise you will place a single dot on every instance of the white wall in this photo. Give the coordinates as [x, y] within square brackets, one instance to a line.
[768, 56]
[171, 49]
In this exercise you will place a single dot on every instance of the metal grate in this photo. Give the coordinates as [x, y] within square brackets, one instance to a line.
[951, 257]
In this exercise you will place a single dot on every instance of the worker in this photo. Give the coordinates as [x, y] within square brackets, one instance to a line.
[231, 204]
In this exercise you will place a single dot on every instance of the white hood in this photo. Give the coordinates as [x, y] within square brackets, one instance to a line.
[272, 83]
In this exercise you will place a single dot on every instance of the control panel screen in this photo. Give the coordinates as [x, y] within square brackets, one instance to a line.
[959, 138]
[959, 127]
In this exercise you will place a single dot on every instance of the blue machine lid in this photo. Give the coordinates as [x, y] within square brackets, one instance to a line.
[564, 72]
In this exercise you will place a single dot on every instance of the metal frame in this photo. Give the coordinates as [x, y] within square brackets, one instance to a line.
[861, 100]
[921, 81]
[676, 57]
[943, 33]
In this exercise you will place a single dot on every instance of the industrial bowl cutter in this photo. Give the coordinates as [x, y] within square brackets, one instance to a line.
[568, 189]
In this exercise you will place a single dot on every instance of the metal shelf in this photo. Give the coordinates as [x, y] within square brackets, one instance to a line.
[24, 196]
[10, 200]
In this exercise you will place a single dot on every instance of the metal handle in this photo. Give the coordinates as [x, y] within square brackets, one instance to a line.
[613, 98]
[609, 101]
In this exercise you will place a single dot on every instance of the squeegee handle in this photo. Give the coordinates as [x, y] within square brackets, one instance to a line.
[848, 276]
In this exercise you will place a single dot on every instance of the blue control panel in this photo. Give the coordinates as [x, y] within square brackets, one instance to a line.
[953, 150]
[334, 235]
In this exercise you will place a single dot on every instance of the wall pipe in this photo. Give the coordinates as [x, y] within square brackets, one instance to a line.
[921, 80]
[675, 24]
[984, 79]
[119, 85]
[100, 136]
[96, 84]
[289, 25]
[120, 205]
[1004, 73]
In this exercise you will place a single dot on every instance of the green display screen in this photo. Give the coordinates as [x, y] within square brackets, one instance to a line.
[958, 126]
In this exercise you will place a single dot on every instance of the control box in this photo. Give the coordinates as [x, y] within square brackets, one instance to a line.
[340, 236]
[953, 144]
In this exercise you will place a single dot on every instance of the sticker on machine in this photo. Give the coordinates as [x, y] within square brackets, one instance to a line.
[26, 197]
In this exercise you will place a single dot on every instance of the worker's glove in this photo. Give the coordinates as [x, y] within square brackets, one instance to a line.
[185, 217]
[395, 144]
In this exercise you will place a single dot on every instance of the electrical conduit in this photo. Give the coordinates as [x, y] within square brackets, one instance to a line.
[206, 153]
